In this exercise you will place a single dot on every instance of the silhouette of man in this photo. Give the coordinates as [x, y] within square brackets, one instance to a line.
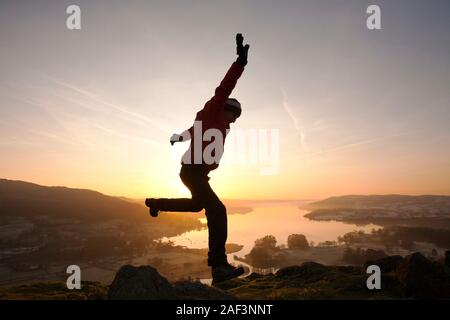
[215, 117]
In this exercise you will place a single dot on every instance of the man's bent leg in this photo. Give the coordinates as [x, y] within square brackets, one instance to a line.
[179, 205]
[194, 178]
[216, 215]
[203, 196]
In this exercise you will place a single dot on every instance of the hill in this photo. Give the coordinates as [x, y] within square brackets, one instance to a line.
[431, 202]
[414, 276]
[427, 210]
[18, 198]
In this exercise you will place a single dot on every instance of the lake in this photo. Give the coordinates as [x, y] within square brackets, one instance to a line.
[277, 218]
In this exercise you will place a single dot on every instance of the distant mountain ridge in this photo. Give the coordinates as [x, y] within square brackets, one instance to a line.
[19, 198]
[428, 208]
[366, 201]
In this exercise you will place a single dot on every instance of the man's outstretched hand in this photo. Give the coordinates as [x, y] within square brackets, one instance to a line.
[175, 138]
[241, 50]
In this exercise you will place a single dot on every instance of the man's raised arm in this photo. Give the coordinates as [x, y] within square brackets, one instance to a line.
[225, 88]
[228, 83]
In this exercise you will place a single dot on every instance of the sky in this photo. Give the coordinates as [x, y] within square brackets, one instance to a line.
[356, 111]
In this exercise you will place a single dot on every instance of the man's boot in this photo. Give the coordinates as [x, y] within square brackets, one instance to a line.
[153, 209]
[225, 272]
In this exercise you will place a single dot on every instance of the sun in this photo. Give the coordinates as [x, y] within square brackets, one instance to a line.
[180, 189]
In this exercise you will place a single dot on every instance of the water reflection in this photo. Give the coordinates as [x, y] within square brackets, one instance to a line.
[279, 219]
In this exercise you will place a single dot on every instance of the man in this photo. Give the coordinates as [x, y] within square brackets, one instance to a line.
[215, 117]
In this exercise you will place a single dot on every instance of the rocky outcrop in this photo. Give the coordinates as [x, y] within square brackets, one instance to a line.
[306, 270]
[416, 276]
[447, 259]
[197, 291]
[388, 264]
[145, 283]
[422, 278]
[140, 283]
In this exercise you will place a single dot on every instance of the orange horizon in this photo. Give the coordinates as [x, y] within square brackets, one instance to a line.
[121, 195]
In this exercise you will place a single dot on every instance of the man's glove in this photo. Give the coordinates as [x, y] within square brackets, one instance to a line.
[241, 51]
[175, 138]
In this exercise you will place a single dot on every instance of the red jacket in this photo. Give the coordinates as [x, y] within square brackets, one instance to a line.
[212, 116]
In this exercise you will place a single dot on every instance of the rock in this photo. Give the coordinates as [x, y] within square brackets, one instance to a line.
[388, 264]
[447, 258]
[306, 270]
[188, 290]
[140, 283]
[349, 269]
[289, 271]
[254, 276]
[422, 278]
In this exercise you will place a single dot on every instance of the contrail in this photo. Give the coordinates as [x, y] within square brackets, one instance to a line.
[105, 129]
[348, 146]
[364, 142]
[123, 135]
[91, 123]
[100, 100]
[352, 145]
[294, 119]
[68, 140]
